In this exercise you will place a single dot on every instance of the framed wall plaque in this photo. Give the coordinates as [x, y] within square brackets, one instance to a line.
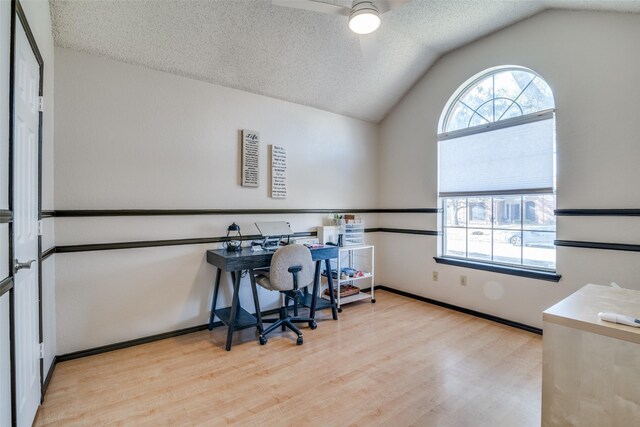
[278, 172]
[250, 158]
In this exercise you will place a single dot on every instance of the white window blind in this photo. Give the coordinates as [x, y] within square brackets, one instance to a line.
[508, 160]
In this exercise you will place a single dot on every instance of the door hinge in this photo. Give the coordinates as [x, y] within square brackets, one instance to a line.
[41, 103]
[41, 350]
[39, 227]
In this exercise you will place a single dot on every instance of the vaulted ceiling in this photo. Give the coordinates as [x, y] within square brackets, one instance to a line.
[300, 56]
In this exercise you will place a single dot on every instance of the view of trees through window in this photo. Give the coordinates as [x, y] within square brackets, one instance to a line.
[499, 96]
[501, 229]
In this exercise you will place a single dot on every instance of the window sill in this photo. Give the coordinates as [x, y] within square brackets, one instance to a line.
[514, 271]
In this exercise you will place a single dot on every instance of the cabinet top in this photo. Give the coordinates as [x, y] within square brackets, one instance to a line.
[354, 247]
[580, 310]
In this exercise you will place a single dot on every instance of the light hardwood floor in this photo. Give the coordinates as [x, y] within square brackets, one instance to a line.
[397, 362]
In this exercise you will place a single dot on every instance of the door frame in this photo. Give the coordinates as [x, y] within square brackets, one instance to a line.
[17, 11]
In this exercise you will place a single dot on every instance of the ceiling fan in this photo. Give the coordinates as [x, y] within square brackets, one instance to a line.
[364, 15]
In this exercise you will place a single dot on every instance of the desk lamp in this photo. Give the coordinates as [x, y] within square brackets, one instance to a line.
[233, 242]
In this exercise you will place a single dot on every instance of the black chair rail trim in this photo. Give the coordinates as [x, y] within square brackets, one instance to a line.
[175, 212]
[172, 212]
[409, 231]
[599, 245]
[6, 285]
[463, 263]
[597, 212]
[46, 254]
[6, 216]
[198, 241]
[155, 243]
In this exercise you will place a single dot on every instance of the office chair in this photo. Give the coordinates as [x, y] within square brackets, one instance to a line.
[291, 270]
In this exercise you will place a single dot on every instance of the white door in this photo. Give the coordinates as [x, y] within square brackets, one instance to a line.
[25, 228]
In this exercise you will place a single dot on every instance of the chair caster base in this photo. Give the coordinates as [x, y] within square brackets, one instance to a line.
[373, 301]
[299, 341]
[263, 340]
[340, 310]
[313, 325]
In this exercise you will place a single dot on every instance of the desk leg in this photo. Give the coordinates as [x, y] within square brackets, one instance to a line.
[215, 297]
[235, 276]
[334, 310]
[316, 290]
[256, 302]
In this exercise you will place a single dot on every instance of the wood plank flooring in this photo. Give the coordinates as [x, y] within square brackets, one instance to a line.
[397, 362]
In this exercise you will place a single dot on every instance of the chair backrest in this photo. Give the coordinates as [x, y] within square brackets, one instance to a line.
[284, 258]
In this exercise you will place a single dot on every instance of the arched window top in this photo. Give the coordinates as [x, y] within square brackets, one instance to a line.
[500, 94]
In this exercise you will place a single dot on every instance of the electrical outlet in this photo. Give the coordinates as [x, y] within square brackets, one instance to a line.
[463, 280]
[435, 276]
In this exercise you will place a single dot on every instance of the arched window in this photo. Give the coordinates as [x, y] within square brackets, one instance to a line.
[496, 170]
[500, 95]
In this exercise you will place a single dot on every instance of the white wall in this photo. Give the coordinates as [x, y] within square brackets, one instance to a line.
[589, 59]
[132, 138]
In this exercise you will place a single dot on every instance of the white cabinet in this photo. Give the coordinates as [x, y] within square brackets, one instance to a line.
[354, 268]
[591, 368]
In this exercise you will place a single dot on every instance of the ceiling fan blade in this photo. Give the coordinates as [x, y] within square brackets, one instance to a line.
[314, 6]
[369, 48]
[387, 5]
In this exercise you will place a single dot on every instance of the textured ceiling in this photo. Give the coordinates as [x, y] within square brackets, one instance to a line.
[305, 57]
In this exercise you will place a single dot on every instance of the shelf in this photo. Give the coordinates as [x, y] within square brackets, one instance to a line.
[360, 258]
[351, 279]
[305, 301]
[351, 298]
[355, 247]
[244, 319]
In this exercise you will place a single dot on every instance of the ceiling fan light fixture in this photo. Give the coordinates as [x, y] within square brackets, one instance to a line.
[364, 18]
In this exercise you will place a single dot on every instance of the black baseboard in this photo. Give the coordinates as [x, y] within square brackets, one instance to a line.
[144, 340]
[131, 343]
[47, 380]
[463, 310]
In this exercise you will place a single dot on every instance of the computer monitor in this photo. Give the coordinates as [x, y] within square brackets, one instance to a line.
[274, 228]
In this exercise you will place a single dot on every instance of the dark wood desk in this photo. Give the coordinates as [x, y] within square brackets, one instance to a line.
[235, 317]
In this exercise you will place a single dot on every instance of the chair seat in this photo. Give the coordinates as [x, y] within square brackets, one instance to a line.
[263, 280]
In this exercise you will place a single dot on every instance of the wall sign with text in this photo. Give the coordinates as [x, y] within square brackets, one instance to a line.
[250, 158]
[278, 172]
